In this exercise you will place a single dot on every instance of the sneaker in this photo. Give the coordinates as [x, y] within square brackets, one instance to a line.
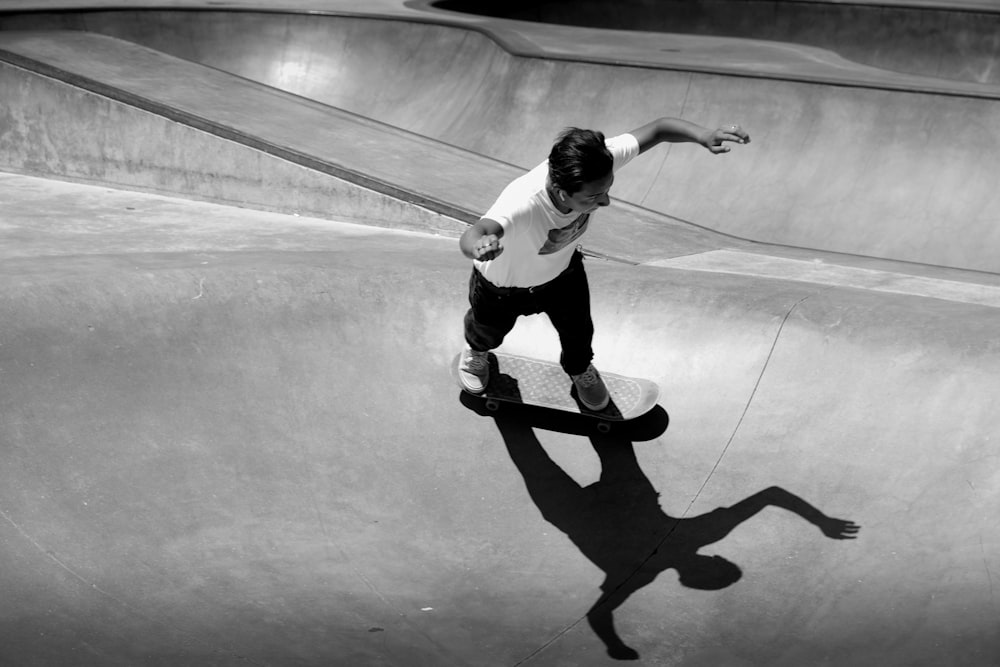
[474, 370]
[590, 389]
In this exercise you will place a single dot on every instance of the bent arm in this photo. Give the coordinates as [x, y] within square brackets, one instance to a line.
[482, 240]
[675, 130]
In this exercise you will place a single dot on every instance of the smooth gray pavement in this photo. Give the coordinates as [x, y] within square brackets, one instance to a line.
[231, 437]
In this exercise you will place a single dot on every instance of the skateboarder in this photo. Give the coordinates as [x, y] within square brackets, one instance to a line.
[524, 252]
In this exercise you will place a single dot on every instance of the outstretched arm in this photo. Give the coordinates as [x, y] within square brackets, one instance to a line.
[675, 130]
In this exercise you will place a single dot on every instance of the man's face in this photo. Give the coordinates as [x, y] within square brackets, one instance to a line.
[591, 196]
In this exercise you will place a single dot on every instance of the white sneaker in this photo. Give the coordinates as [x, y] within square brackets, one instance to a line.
[590, 389]
[474, 370]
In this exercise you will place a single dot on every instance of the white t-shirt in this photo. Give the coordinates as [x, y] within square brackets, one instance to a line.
[538, 240]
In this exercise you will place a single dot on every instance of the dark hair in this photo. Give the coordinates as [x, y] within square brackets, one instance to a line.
[578, 157]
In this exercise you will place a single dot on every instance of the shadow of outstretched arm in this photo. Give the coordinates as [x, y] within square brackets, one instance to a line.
[837, 529]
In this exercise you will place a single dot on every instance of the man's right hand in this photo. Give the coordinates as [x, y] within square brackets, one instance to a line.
[482, 240]
[487, 247]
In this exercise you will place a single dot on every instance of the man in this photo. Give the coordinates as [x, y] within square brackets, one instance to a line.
[526, 260]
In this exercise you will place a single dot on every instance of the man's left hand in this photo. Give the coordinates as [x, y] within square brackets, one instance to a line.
[716, 141]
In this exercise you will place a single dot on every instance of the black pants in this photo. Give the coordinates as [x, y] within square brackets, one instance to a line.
[565, 300]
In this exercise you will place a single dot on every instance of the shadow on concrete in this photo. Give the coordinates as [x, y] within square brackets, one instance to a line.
[618, 523]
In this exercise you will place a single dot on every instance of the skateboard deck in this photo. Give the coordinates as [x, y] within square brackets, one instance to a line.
[526, 381]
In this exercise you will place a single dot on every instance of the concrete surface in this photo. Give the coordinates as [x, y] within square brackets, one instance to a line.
[850, 168]
[230, 437]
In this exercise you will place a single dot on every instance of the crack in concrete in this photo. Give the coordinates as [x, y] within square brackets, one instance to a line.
[746, 408]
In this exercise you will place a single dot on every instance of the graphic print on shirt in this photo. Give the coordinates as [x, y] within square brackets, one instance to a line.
[562, 237]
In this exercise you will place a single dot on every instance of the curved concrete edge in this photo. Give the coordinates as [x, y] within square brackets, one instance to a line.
[708, 55]
[259, 456]
[91, 138]
[748, 58]
[890, 38]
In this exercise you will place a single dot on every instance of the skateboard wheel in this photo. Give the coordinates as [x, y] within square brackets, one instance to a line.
[492, 405]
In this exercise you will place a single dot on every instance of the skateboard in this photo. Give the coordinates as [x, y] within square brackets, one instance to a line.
[526, 381]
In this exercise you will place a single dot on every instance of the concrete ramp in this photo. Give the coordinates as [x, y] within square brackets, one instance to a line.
[846, 158]
[217, 451]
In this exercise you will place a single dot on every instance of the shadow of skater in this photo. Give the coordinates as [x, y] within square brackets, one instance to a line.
[617, 522]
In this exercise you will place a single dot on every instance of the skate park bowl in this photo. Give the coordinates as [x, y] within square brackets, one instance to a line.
[232, 291]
